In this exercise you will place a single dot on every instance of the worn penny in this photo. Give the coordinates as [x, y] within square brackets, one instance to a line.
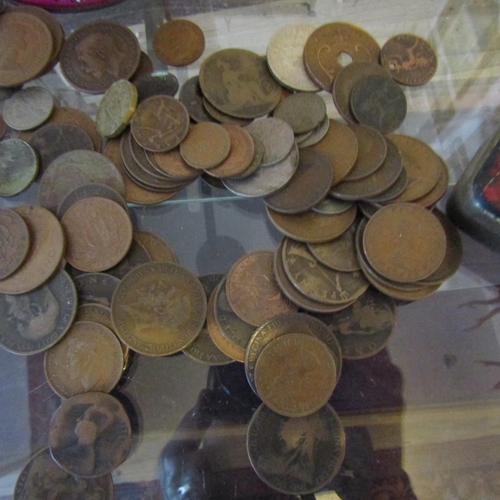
[173, 164]
[316, 135]
[157, 247]
[393, 192]
[96, 288]
[28, 108]
[332, 206]
[145, 67]
[220, 117]
[15, 239]
[136, 255]
[302, 111]
[157, 83]
[192, 98]
[18, 166]
[438, 191]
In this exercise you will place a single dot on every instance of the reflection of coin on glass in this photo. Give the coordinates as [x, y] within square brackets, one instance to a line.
[100, 55]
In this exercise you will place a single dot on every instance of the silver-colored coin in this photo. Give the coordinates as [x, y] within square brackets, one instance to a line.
[18, 166]
[332, 206]
[157, 83]
[266, 180]
[28, 108]
[303, 111]
[316, 134]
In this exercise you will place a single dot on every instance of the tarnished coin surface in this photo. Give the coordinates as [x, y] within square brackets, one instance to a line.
[28, 108]
[136, 255]
[90, 434]
[302, 111]
[316, 443]
[157, 83]
[192, 98]
[394, 191]
[96, 288]
[159, 308]
[18, 166]
[332, 206]
[15, 241]
[157, 247]
[145, 67]
[258, 154]
[438, 191]
[220, 117]
[316, 135]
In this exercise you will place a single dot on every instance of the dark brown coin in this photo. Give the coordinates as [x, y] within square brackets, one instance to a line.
[252, 291]
[157, 248]
[41, 476]
[308, 186]
[302, 111]
[394, 191]
[90, 434]
[316, 443]
[238, 83]
[96, 313]
[160, 123]
[330, 42]
[15, 242]
[332, 206]
[172, 164]
[192, 98]
[178, 42]
[98, 54]
[219, 116]
[438, 191]
[145, 67]
[368, 209]
[54, 139]
[136, 255]
[96, 288]
[157, 83]
[378, 102]
[409, 59]
[3, 127]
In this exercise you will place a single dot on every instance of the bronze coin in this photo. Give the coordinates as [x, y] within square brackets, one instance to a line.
[256, 160]
[368, 209]
[302, 111]
[41, 475]
[160, 123]
[206, 145]
[252, 291]
[90, 434]
[36, 320]
[178, 42]
[145, 67]
[98, 54]
[157, 83]
[328, 43]
[378, 102]
[309, 185]
[136, 255]
[218, 116]
[96, 313]
[158, 308]
[332, 206]
[26, 46]
[192, 98]
[15, 239]
[404, 242]
[438, 191]
[393, 192]
[312, 227]
[96, 288]
[99, 240]
[409, 59]
[44, 255]
[173, 164]
[157, 248]
[238, 83]
[340, 146]
[317, 439]
[295, 375]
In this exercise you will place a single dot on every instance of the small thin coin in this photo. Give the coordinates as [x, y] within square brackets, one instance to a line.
[316, 134]
[157, 83]
[157, 247]
[256, 160]
[192, 98]
[36, 320]
[172, 164]
[93, 424]
[28, 108]
[438, 191]
[302, 111]
[96, 288]
[18, 166]
[15, 239]
[332, 206]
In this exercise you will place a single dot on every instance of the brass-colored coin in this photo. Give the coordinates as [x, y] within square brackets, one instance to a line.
[340, 146]
[328, 43]
[96, 288]
[438, 191]
[295, 375]
[95, 425]
[317, 439]
[99, 240]
[316, 135]
[88, 358]
[238, 83]
[28, 108]
[312, 227]
[173, 164]
[157, 247]
[178, 42]
[393, 192]
[302, 111]
[332, 206]
[18, 166]
[45, 253]
[192, 98]
[252, 291]
[136, 255]
[36, 320]
[409, 59]
[41, 475]
[116, 108]
[158, 308]
[160, 123]
[15, 242]
[218, 116]
[317, 281]
[404, 242]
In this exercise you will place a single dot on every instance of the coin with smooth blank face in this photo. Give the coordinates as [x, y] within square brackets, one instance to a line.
[15, 239]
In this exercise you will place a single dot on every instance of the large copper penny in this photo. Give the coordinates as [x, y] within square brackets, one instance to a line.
[295, 375]
[96, 288]
[172, 164]
[44, 255]
[329, 42]
[404, 242]
[316, 443]
[15, 239]
[238, 83]
[409, 59]
[98, 54]
[157, 247]
[252, 291]
[90, 434]
[178, 42]
[159, 308]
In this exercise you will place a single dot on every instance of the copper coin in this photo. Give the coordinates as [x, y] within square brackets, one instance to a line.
[3, 127]
[36, 320]
[18, 166]
[26, 46]
[90, 434]
[28, 108]
[159, 308]
[101, 238]
[206, 145]
[368, 209]
[96, 313]
[258, 148]
[302, 111]
[393, 192]
[15, 240]
[340, 146]
[252, 291]
[173, 164]
[42, 474]
[378, 102]
[44, 255]
[238, 83]
[157, 248]
[96, 288]
[98, 54]
[192, 98]
[329, 42]
[309, 185]
[404, 242]
[136, 255]
[312, 227]
[295, 375]
[240, 155]
[345, 81]
[409, 59]
[157, 83]
[160, 123]
[332, 206]
[178, 42]
[145, 67]
[438, 191]
[218, 116]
